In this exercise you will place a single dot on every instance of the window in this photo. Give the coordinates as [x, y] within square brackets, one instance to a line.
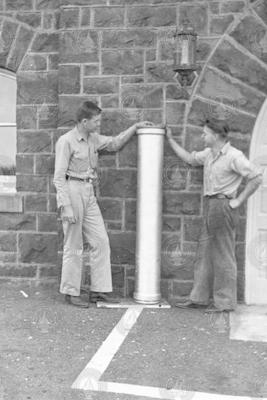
[8, 92]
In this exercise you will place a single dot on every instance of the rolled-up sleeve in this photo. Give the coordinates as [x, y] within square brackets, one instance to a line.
[198, 157]
[242, 166]
[63, 154]
[111, 143]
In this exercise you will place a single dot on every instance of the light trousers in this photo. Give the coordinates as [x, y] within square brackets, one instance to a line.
[215, 273]
[88, 229]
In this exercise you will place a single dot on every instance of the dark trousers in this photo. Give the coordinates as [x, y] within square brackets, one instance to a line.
[215, 272]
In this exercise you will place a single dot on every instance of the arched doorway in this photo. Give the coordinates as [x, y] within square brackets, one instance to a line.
[256, 237]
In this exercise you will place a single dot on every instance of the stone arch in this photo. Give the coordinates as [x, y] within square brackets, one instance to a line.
[233, 85]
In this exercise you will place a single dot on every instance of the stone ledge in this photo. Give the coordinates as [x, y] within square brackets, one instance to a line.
[12, 203]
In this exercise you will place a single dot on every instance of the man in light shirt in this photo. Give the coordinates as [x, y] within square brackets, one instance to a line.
[75, 174]
[225, 167]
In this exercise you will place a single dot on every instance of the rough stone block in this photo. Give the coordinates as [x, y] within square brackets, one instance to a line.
[8, 241]
[37, 88]
[119, 62]
[47, 4]
[19, 271]
[232, 6]
[47, 223]
[86, 17]
[142, 96]
[237, 122]
[111, 209]
[177, 265]
[118, 277]
[159, 72]
[128, 155]
[261, 10]
[83, 2]
[224, 91]
[122, 248]
[214, 7]
[196, 176]
[34, 142]
[110, 101]
[100, 85]
[69, 79]
[49, 271]
[47, 117]
[51, 20]
[33, 19]
[12, 202]
[175, 92]
[45, 43]
[174, 177]
[45, 164]
[252, 35]
[6, 257]
[219, 25]
[8, 35]
[37, 248]
[53, 61]
[24, 163]
[192, 227]
[17, 222]
[114, 122]
[52, 203]
[128, 38]
[79, 46]
[92, 69]
[19, 5]
[156, 116]
[175, 113]
[232, 61]
[171, 224]
[108, 17]
[107, 160]
[67, 108]
[26, 117]
[184, 204]
[35, 202]
[197, 16]
[119, 183]
[34, 62]
[204, 48]
[182, 288]
[31, 183]
[151, 16]
[69, 18]
[130, 215]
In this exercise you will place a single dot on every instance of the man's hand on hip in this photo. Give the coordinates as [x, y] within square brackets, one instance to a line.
[67, 214]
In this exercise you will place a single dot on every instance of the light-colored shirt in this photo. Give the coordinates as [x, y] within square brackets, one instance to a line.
[224, 172]
[78, 157]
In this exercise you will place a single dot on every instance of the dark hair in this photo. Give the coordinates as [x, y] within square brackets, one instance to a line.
[87, 110]
[218, 126]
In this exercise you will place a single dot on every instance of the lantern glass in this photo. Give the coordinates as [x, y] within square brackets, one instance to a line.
[185, 53]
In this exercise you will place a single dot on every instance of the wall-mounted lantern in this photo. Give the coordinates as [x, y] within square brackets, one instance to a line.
[185, 54]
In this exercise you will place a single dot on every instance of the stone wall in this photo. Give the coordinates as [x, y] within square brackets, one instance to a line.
[119, 53]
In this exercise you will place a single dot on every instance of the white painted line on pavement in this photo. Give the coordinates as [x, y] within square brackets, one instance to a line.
[89, 377]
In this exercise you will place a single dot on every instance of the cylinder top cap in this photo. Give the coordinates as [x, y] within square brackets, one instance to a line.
[151, 130]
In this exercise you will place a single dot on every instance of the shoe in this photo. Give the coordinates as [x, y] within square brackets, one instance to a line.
[213, 309]
[76, 301]
[189, 304]
[100, 296]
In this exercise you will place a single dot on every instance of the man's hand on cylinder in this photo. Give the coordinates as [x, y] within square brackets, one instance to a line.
[143, 124]
[67, 214]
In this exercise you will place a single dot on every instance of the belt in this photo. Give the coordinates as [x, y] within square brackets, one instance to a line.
[218, 196]
[74, 178]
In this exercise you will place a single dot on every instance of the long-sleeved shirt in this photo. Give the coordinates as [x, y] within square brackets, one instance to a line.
[224, 172]
[78, 157]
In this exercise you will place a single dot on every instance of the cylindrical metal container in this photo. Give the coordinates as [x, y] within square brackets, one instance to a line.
[149, 214]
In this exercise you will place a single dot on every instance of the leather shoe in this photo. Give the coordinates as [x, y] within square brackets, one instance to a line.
[76, 301]
[189, 304]
[214, 309]
[100, 296]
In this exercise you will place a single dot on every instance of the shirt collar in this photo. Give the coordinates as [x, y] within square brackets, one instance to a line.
[78, 135]
[225, 148]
